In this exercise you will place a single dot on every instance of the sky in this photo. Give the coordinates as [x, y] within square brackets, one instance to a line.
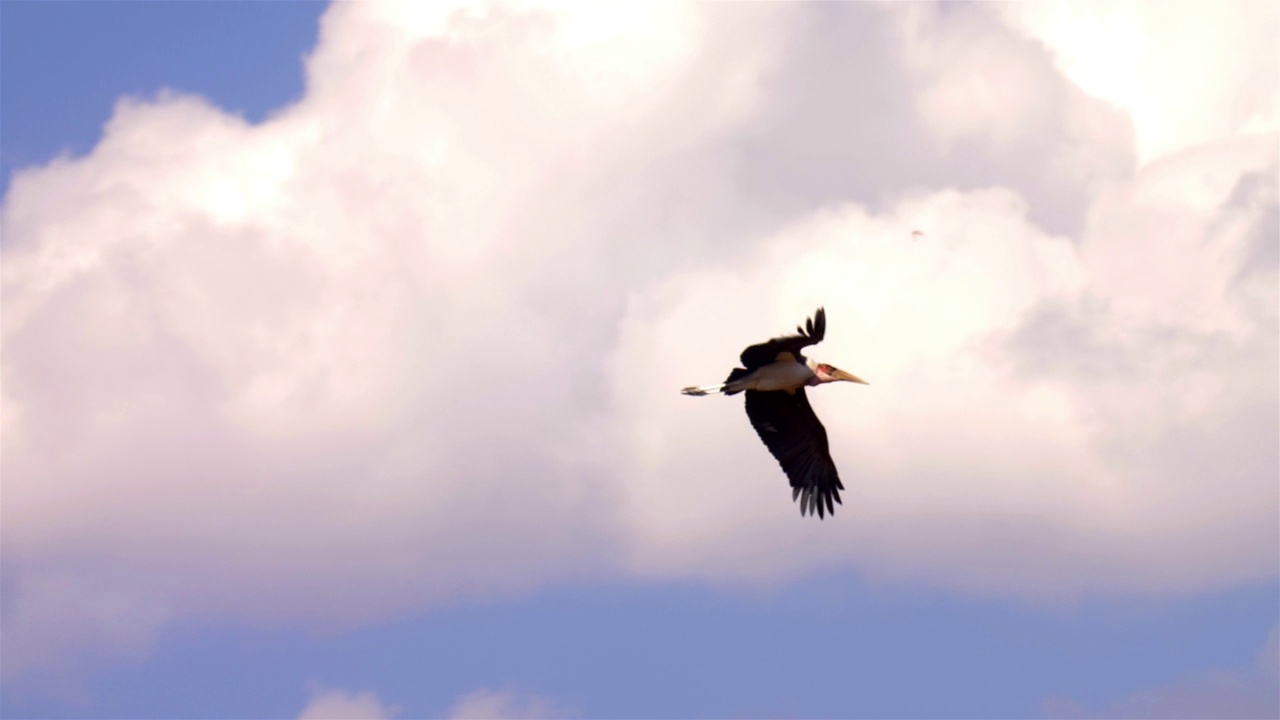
[341, 348]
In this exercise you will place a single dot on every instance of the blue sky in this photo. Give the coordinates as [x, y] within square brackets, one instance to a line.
[827, 647]
[680, 618]
[56, 101]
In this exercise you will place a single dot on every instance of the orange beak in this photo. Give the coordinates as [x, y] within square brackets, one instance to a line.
[847, 377]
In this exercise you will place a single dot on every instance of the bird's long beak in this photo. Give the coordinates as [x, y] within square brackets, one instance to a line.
[848, 377]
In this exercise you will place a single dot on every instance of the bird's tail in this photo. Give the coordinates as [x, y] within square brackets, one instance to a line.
[728, 387]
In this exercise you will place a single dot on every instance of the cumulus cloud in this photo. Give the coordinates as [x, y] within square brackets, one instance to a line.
[874, 101]
[418, 336]
[324, 367]
[1044, 417]
[1252, 691]
[509, 705]
[1166, 68]
[343, 705]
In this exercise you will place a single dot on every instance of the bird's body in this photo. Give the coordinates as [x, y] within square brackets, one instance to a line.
[774, 377]
[783, 375]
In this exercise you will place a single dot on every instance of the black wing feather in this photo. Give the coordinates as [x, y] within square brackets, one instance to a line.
[796, 438]
[764, 353]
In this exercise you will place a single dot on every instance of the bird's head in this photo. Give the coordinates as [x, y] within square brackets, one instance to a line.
[830, 373]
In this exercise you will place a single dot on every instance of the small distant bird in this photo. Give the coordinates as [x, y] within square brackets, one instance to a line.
[774, 378]
[916, 235]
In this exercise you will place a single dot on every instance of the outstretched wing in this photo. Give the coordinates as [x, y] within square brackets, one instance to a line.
[766, 352]
[792, 432]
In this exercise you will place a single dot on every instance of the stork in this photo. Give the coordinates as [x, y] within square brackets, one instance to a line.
[774, 377]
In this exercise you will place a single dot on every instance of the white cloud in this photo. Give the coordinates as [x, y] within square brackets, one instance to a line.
[1044, 418]
[245, 362]
[418, 336]
[1187, 72]
[343, 705]
[991, 102]
[903, 315]
[507, 704]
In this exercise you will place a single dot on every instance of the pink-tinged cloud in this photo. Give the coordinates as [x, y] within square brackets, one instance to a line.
[487, 704]
[419, 336]
[1248, 692]
[1166, 65]
[343, 705]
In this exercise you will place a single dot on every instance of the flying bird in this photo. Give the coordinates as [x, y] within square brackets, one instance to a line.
[774, 377]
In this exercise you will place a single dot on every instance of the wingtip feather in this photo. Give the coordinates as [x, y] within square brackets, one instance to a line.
[814, 501]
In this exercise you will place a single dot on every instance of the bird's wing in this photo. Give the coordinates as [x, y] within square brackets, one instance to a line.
[767, 352]
[792, 432]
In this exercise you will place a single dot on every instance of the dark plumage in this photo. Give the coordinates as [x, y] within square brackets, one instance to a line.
[764, 353]
[794, 434]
